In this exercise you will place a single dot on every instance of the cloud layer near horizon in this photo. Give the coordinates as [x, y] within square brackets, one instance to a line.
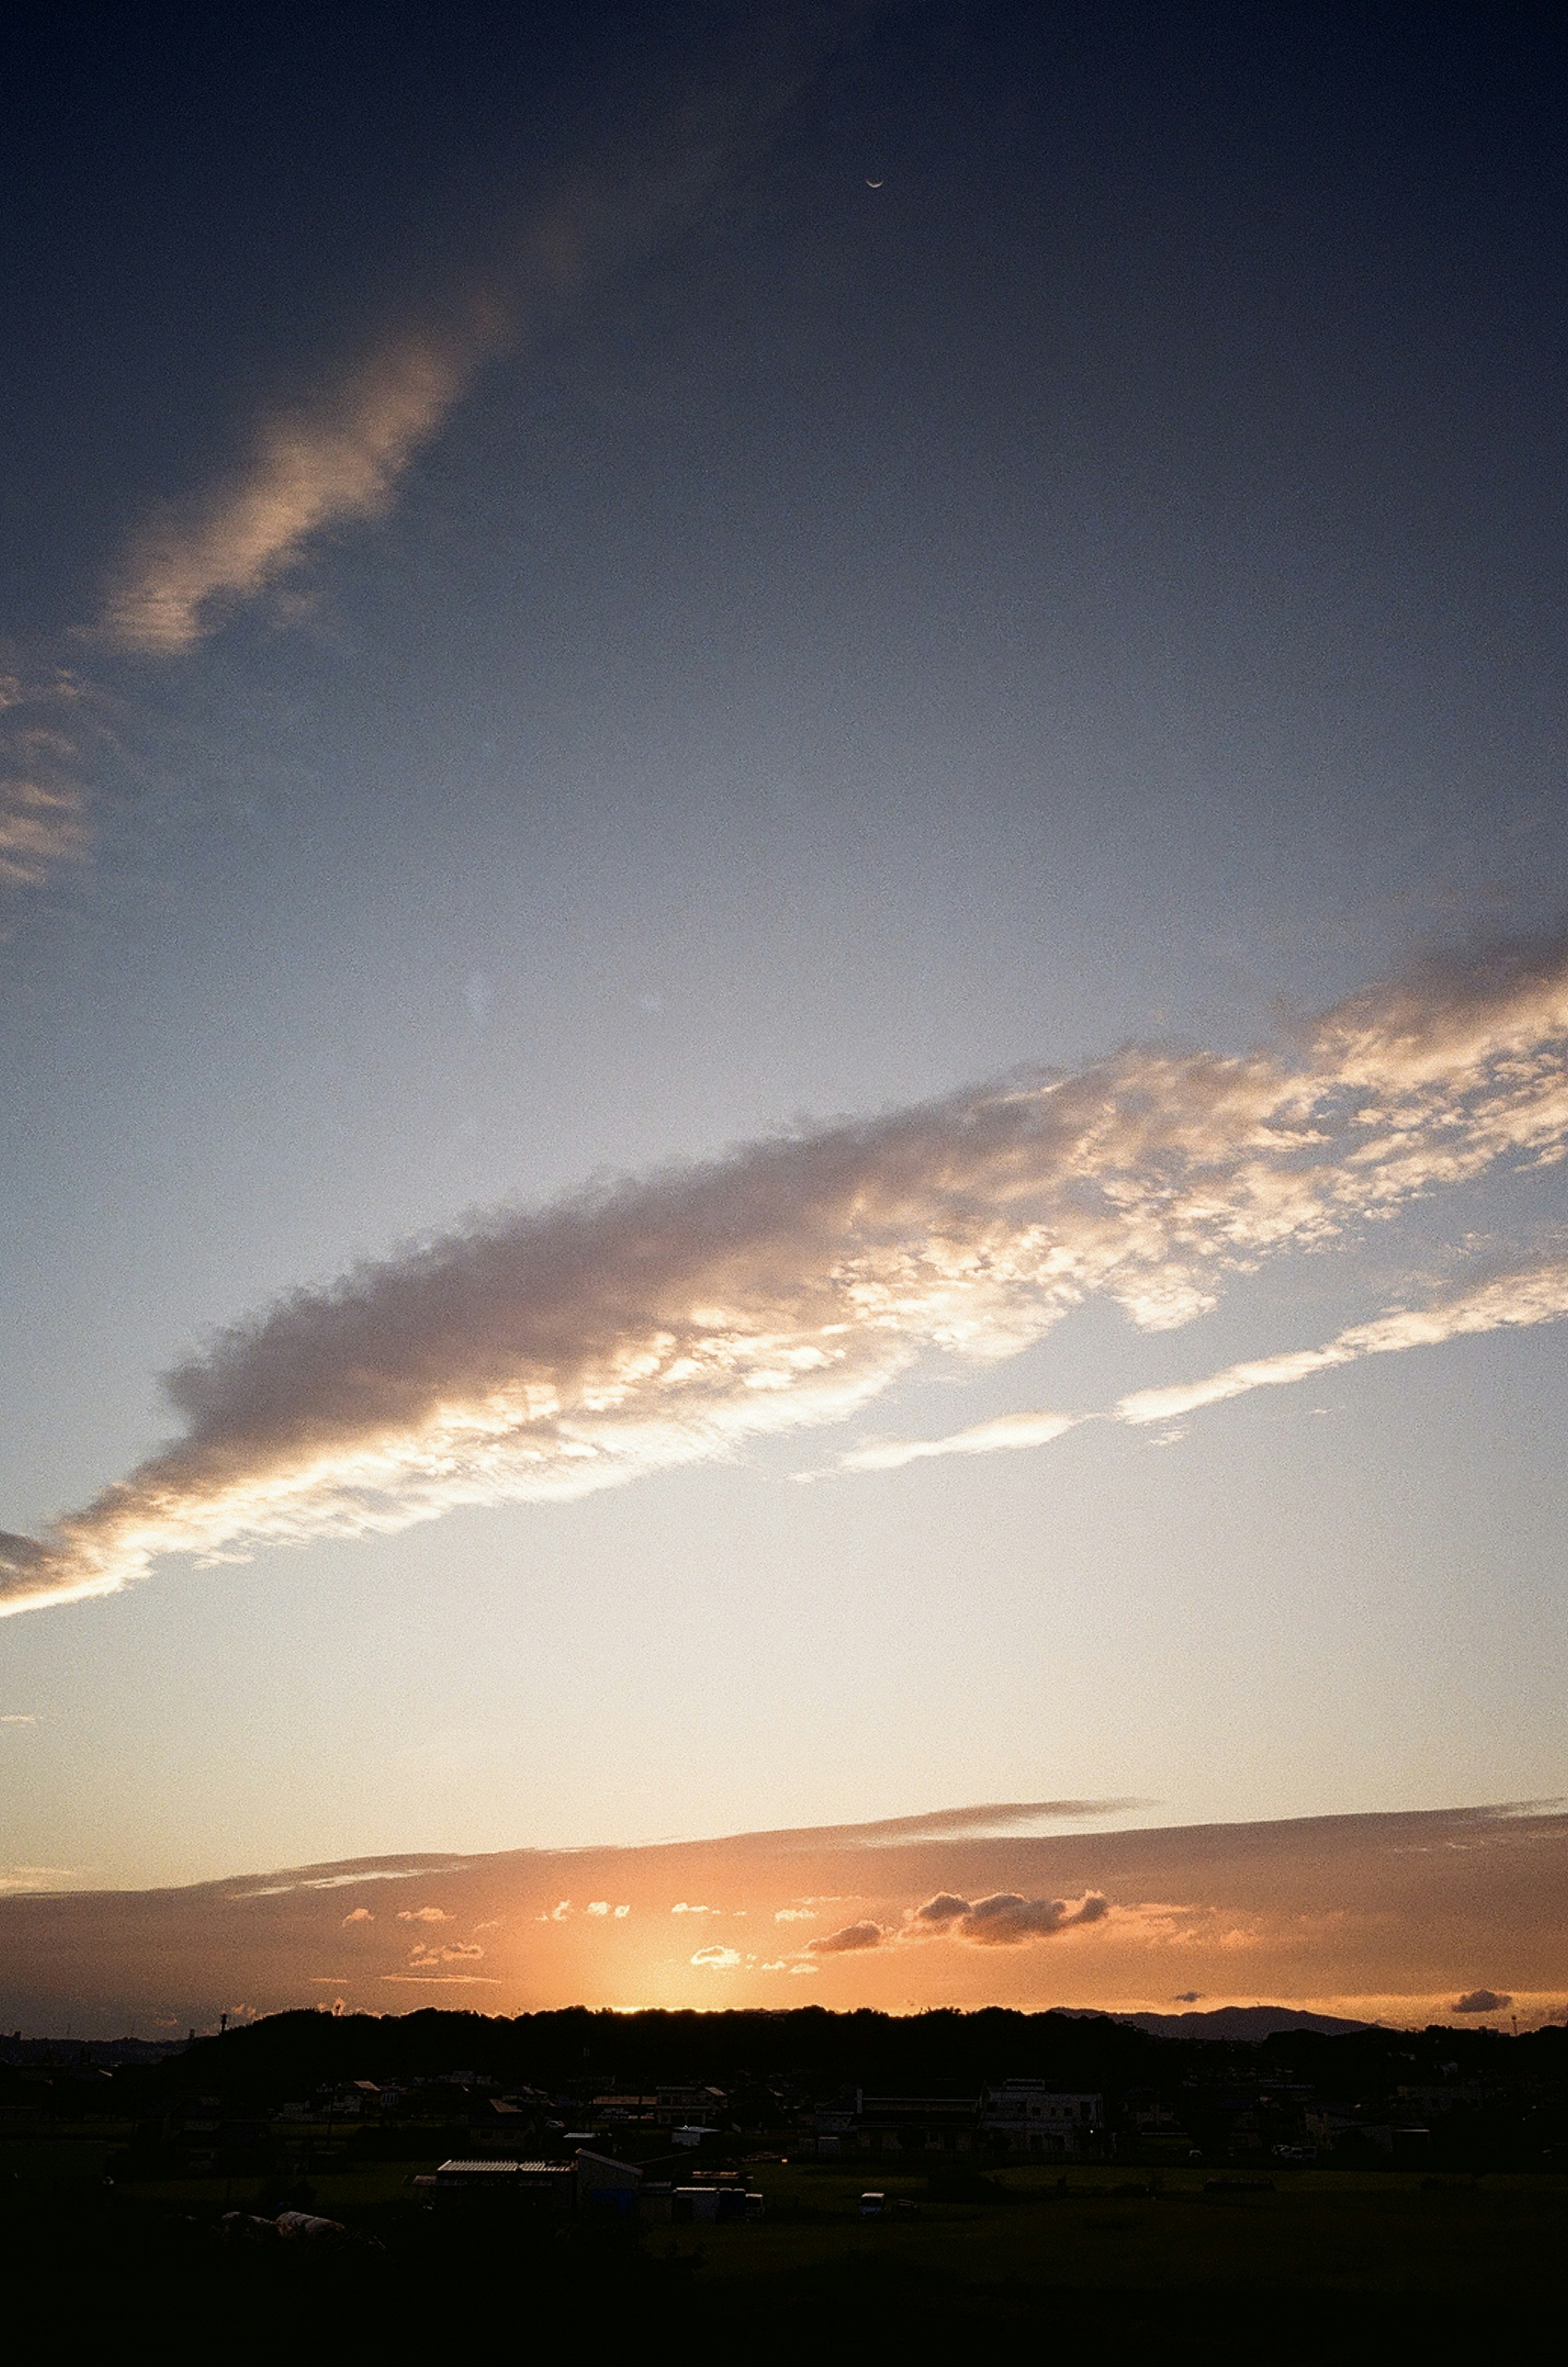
[1396, 1915]
[658, 1323]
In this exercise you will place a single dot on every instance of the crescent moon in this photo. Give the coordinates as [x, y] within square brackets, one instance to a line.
[874, 184]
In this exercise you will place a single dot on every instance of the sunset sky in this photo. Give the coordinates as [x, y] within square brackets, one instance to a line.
[783, 1004]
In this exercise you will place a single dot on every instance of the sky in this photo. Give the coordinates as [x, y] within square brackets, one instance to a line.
[783, 1004]
[961, 1909]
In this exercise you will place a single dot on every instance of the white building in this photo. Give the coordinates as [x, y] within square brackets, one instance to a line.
[1029, 2117]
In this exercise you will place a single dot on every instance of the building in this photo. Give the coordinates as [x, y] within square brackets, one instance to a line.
[897, 2124]
[1026, 2116]
[542, 2186]
[606, 2185]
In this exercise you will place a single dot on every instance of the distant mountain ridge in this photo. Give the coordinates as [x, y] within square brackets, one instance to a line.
[1249, 2022]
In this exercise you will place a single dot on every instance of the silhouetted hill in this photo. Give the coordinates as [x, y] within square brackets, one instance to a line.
[1243, 2023]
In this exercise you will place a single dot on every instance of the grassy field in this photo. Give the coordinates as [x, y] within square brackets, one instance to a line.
[1346, 2264]
[1325, 2230]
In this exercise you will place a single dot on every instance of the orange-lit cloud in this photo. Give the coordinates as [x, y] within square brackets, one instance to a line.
[850, 1939]
[1005, 1920]
[1407, 1917]
[542, 1356]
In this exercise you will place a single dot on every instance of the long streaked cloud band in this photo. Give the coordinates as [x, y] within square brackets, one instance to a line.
[659, 1322]
[1534, 1292]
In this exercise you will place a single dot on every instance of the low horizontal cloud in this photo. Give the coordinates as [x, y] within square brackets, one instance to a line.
[457, 1951]
[423, 1915]
[357, 1915]
[795, 1915]
[1005, 1919]
[846, 1941]
[19, 1717]
[716, 1959]
[450, 1980]
[646, 1325]
[1483, 2001]
[1010, 1430]
[20, 1879]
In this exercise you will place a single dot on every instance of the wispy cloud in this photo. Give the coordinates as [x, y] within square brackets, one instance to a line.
[44, 818]
[1009, 1430]
[651, 1324]
[1536, 1292]
[326, 461]
[337, 456]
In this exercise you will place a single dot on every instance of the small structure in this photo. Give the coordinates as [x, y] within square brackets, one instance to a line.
[526, 2185]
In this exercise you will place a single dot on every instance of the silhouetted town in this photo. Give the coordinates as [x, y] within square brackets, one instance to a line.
[657, 2112]
[750, 2177]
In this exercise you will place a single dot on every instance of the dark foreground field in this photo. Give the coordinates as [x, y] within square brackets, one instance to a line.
[1328, 2264]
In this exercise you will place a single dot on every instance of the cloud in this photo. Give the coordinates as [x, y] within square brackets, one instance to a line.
[1010, 1430]
[1530, 1294]
[1483, 2001]
[1187, 1997]
[449, 1980]
[598, 1907]
[44, 819]
[18, 1718]
[716, 1959]
[15, 1879]
[423, 1915]
[937, 1914]
[41, 828]
[337, 456]
[622, 1912]
[681, 1908]
[853, 1936]
[330, 459]
[359, 1915]
[1004, 1920]
[1536, 1292]
[457, 1951]
[795, 1915]
[643, 1325]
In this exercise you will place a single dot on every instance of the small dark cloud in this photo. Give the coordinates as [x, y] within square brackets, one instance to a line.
[1483, 2001]
[853, 1935]
[937, 1914]
[1005, 1919]
[1187, 1997]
